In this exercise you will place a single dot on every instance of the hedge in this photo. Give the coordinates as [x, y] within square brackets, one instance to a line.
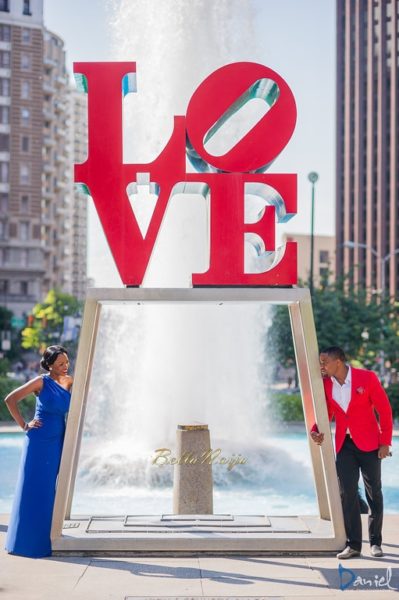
[288, 406]
[27, 406]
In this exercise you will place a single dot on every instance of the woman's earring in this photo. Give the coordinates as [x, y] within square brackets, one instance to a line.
[50, 368]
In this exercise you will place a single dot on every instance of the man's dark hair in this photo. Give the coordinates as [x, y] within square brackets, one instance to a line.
[334, 352]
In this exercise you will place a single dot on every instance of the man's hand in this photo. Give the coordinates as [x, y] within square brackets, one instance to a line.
[383, 451]
[318, 438]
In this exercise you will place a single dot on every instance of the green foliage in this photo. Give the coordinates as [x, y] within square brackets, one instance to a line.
[47, 321]
[12, 334]
[360, 323]
[4, 366]
[393, 395]
[26, 407]
[5, 318]
[286, 407]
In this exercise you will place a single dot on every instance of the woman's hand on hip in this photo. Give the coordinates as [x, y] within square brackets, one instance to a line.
[34, 424]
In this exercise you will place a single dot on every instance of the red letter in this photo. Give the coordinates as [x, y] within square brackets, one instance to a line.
[107, 177]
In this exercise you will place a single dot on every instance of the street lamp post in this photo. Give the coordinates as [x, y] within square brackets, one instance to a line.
[313, 177]
[383, 260]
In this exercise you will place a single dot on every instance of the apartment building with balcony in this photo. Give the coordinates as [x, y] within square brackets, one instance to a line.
[22, 266]
[41, 233]
[57, 165]
[78, 214]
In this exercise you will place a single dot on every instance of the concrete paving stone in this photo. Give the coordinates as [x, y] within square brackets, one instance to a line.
[346, 595]
[270, 587]
[283, 577]
[134, 577]
[289, 567]
[10, 594]
[356, 577]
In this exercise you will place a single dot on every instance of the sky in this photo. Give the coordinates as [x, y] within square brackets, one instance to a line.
[296, 38]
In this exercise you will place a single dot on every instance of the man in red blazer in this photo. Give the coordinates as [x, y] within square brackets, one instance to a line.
[353, 397]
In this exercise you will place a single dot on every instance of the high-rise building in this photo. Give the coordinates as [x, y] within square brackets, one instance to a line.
[78, 204]
[21, 161]
[56, 223]
[367, 220]
[41, 227]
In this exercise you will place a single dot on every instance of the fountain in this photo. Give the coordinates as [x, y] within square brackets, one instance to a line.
[169, 340]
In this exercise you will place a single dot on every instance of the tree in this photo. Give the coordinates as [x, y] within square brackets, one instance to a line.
[46, 324]
[9, 332]
[365, 326]
[5, 318]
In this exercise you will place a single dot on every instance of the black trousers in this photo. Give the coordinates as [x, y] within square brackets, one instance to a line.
[350, 462]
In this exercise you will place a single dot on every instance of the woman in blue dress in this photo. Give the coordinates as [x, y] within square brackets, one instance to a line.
[30, 520]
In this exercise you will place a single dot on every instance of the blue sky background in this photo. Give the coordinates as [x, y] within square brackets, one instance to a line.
[296, 38]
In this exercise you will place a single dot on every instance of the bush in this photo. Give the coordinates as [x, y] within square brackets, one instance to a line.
[4, 366]
[286, 406]
[26, 407]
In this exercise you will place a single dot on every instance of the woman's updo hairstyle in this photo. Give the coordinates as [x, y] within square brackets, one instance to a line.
[50, 356]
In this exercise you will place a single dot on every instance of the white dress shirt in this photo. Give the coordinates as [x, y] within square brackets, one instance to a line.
[342, 393]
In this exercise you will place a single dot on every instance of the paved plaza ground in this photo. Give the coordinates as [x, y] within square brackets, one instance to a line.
[131, 578]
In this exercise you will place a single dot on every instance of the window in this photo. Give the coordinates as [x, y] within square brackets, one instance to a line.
[5, 59]
[3, 230]
[24, 204]
[25, 143]
[25, 90]
[3, 203]
[26, 36]
[4, 172]
[25, 61]
[24, 173]
[24, 231]
[24, 284]
[26, 8]
[4, 86]
[4, 115]
[5, 5]
[323, 256]
[4, 142]
[5, 33]
[25, 117]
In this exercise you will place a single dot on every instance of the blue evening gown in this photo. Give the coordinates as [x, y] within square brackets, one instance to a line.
[30, 520]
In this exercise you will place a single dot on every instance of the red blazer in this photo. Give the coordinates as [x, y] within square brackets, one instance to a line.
[367, 396]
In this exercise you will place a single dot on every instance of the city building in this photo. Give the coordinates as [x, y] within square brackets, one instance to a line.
[22, 265]
[324, 256]
[78, 201]
[57, 161]
[42, 227]
[367, 186]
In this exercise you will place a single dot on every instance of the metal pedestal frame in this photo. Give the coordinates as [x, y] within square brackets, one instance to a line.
[319, 538]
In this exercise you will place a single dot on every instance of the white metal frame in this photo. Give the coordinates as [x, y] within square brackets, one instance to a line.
[323, 462]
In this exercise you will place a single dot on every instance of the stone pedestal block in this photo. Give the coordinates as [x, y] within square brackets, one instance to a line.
[192, 480]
